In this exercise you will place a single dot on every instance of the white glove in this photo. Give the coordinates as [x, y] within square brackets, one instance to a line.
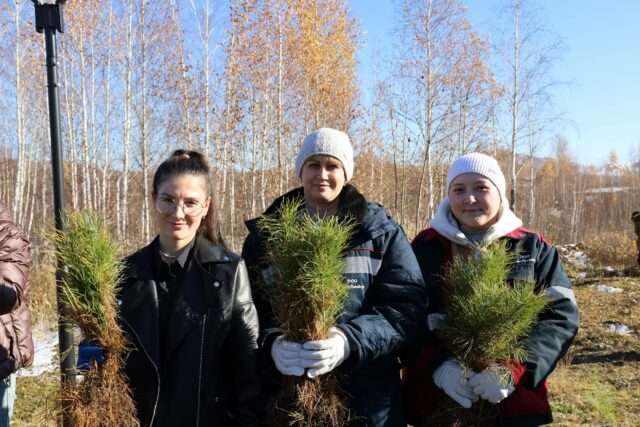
[492, 384]
[286, 356]
[320, 357]
[452, 378]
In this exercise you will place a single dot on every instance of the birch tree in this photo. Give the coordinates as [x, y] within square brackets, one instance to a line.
[124, 189]
[532, 51]
[20, 164]
[441, 72]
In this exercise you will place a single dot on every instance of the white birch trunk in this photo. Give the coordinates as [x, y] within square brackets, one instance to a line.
[146, 232]
[207, 33]
[187, 127]
[427, 124]
[19, 177]
[85, 125]
[127, 126]
[44, 185]
[69, 114]
[28, 166]
[106, 191]
[93, 191]
[232, 206]
[279, 115]
[515, 101]
[263, 154]
[32, 199]
[229, 99]
[254, 157]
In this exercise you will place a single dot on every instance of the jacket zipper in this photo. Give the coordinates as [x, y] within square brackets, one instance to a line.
[204, 326]
[155, 405]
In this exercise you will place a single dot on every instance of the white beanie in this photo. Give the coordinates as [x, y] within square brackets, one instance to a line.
[327, 142]
[481, 164]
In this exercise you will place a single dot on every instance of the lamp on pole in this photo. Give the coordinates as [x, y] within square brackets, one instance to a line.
[49, 20]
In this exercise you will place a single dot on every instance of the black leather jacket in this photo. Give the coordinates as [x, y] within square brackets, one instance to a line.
[209, 372]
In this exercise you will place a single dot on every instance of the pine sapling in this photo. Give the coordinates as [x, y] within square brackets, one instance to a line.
[487, 315]
[307, 299]
[91, 273]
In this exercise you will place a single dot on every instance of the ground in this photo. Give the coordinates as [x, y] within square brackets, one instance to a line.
[598, 383]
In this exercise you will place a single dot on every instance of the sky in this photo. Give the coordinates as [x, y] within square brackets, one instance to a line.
[598, 66]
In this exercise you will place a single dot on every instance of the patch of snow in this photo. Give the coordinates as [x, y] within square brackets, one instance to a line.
[620, 329]
[573, 256]
[45, 357]
[607, 289]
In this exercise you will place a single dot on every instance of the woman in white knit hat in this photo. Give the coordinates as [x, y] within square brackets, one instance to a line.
[475, 213]
[385, 307]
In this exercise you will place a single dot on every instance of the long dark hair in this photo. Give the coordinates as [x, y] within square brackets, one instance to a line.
[182, 162]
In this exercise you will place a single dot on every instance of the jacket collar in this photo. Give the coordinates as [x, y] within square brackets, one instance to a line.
[206, 252]
[140, 264]
[445, 224]
[181, 258]
[351, 204]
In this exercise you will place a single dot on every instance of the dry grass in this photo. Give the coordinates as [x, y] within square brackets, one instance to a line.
[308, 399]
[614, 249]
[601, 384]
[43, 292]
[37, 402]
[102, 399]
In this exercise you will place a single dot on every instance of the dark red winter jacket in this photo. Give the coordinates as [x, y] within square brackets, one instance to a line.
[554, 331]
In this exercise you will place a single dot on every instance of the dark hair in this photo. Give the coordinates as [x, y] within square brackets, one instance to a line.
[182, 162]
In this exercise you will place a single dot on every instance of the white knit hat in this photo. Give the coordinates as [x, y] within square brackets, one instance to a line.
[328, 142]
[481, 164]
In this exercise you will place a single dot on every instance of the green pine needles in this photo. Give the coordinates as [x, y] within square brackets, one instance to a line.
[307, 256]
[486, 317]
[90, 277]
[307, 298]
[91, 274]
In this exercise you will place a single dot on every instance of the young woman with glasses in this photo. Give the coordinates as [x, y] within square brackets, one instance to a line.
[187, 310]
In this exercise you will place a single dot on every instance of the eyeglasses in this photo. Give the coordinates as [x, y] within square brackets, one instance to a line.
[168, 205]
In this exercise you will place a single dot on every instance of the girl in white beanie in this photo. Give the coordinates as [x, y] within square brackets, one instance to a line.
[385, 307]
[475, 213]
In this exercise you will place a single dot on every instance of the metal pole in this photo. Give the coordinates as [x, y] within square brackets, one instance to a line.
[49, 20]
[66, 340]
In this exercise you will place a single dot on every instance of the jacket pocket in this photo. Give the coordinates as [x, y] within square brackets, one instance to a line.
[523, 269]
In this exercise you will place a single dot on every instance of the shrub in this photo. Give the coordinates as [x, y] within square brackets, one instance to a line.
[613, 249]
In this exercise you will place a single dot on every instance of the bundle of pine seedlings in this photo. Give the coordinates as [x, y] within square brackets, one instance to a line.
[487, 319]
[307, 299]
[91, 273]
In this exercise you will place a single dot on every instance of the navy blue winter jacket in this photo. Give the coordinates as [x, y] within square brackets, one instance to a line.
[385, 310]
